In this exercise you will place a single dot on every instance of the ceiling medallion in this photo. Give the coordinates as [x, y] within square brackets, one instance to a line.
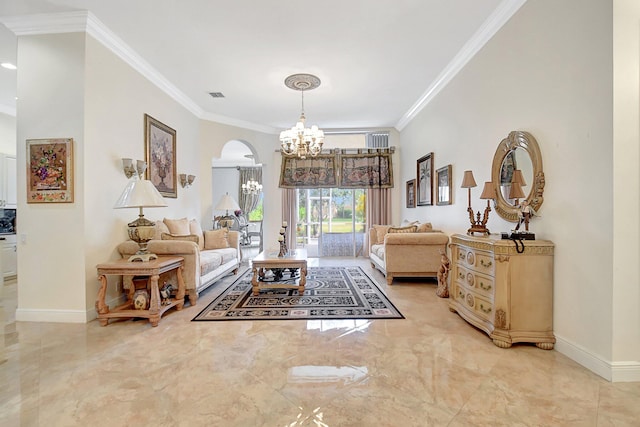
[299, 140]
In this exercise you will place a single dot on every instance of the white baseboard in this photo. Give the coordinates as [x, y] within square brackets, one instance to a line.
[48, 315]
[62, 316]
[611, 371]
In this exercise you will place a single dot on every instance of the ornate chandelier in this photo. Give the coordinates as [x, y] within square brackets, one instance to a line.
[299, 140]
[251, 187]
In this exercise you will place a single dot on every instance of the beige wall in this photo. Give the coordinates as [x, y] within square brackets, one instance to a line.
[626, 179]
[549, 74]
[51, 260]
[91, 95]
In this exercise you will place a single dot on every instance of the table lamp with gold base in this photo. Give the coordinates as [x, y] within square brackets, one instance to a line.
[141, 193]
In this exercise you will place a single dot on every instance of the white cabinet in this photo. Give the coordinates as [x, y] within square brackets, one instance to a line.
[8, 190]
[9, 255]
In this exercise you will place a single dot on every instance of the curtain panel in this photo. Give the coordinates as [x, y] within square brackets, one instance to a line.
[248, 202]
[370, 169]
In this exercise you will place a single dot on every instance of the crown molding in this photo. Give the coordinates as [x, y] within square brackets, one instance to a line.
[494, 22]
[47, 23]
[84, 21]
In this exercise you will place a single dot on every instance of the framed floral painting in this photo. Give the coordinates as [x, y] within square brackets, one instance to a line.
[160, 153]
[50, 170]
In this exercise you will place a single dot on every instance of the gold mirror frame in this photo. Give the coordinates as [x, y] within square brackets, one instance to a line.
[526, 141]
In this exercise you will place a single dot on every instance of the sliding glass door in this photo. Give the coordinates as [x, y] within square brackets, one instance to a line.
[331, 221]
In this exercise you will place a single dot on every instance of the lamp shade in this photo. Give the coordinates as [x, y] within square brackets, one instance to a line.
[488, 191]
[227, 203]
[468, 181]
[515, 192]
[517, 177]
[140, 194]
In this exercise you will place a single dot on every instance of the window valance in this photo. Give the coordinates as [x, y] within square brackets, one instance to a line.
[370, 169]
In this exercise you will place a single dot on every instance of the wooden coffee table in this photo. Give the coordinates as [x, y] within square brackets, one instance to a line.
[292, 266]
[153, 270]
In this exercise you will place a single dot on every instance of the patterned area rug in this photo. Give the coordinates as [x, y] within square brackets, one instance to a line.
[330, 293]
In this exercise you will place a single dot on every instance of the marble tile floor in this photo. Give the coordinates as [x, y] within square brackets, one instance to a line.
[430, 369]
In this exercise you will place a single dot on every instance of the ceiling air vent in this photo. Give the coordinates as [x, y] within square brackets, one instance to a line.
[216, 94]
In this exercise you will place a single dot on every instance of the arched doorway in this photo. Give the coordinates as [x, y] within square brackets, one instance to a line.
[239, 161]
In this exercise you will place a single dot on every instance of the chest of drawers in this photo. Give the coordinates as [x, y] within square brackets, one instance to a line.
[508, 295]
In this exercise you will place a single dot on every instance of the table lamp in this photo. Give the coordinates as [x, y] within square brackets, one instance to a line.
[488, 192]
[141, 193]
[227, 203]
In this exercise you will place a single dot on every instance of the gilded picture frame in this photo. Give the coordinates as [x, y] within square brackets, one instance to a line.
[424, 180]
[410, 196]
[160, 154]
[443, 178]
[50, 170]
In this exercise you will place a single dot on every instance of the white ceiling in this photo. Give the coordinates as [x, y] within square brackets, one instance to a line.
[377, 59]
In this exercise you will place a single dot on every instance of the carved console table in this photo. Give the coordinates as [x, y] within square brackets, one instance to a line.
[508, 295]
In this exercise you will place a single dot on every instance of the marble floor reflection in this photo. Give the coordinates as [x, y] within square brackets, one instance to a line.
[430, 369]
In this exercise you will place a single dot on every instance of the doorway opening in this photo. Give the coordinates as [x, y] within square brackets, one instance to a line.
[331, 221]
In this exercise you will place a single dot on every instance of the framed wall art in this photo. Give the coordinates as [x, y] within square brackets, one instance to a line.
[424, 180]
[160, 154]
[411, 193]
[50, 170]
[444, 185]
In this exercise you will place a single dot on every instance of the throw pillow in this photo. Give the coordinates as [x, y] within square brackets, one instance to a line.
[216, 239]
[161, 227]
[194, 228]
[189, 237]
[407, 229]
[178, 227]
[424, 227]
[381, 230]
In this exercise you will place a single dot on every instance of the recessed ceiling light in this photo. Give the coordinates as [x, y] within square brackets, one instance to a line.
[9, 66]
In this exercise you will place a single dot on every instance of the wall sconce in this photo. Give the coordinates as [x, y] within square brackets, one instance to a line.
[488, 193]
[186, 180]
[130, 170]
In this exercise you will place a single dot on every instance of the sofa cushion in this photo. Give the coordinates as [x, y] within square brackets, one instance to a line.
[161, 227]
[209, 261]
[424, 227]
[178, 227]
[378, 250]
[216, 239]
[189, 237]
[406, 229]
[228, 254]
[194, 228]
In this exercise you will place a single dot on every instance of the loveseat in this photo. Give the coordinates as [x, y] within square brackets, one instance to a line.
[208, 255]
[413, 250]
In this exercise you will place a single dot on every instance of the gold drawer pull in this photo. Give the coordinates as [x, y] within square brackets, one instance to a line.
[487, 310]
[487, 265]
[485, 287]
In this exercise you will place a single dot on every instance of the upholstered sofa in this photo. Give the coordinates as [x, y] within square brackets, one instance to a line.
[208, 255]
[413, 250]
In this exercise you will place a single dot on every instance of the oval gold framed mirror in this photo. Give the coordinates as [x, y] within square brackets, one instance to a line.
[517, 174]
